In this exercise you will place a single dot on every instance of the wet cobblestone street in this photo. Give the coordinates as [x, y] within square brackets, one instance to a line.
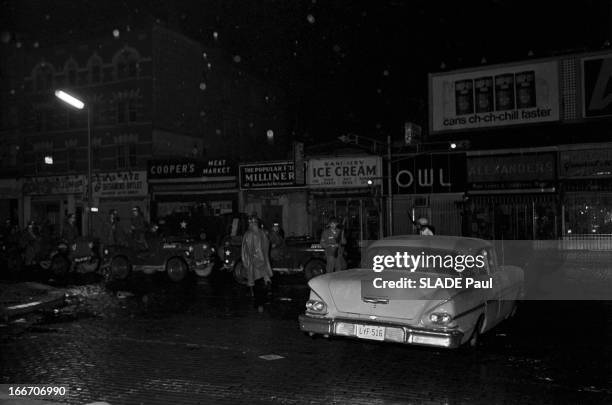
[206, 347]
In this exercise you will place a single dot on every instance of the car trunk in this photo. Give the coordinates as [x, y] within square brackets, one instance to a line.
[393, 304]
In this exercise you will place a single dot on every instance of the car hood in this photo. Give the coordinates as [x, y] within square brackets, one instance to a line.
[344, 290]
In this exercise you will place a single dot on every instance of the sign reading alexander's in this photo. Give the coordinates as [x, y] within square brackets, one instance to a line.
[584, 163]
[211, 169]
[120, 184]
[340, 172]
[267, 175]
[54, 185]
[506, 95]
[430, 173]
[528, 171]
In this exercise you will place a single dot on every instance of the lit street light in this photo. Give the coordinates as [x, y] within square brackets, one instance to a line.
[78, 104]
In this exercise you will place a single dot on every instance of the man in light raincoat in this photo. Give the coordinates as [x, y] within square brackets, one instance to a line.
[256, 261]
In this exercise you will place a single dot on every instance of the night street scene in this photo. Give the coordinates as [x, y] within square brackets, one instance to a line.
[305, 202]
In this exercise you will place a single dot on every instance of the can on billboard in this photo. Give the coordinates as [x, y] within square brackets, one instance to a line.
[525, 89]
[504, 92]
[484, 94]
[464, 97]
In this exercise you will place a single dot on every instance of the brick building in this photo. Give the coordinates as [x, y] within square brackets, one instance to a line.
[153, 93]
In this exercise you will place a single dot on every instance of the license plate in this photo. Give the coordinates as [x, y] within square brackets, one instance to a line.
[370, 332]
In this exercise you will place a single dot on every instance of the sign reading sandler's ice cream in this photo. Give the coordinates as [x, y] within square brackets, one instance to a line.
[494, 97]
[344, 172]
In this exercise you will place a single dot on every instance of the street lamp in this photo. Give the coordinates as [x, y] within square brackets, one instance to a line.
[79, 105]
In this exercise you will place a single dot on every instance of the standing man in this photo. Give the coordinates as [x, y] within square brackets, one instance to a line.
[331, 239]
[70, 233]
[256, 261]
[277, 241]
[139, 228]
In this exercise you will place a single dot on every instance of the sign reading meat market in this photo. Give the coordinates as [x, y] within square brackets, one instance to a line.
[267, 175]
[193, 169]
[340, 172]
[120, 184]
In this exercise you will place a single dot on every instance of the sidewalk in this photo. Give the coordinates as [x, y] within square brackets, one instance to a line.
[22, 298]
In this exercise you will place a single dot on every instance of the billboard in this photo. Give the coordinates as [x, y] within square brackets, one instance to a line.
[120, 184]
[494, 97]
[344, 172]
[191, 169]
[596, 75]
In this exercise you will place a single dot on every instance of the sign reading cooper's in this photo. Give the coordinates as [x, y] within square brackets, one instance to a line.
[266, 175]
[344, 172]
[431, 173]
[586, 163]
[597, 90]
[191, 168]
[120, 184]
[531, 170]
[55, 185]
[507, 95]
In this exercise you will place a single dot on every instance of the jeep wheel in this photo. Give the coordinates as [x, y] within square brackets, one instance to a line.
[176, 269]
[314, 268]
[240, 274]
[60, 266]
[120, 268]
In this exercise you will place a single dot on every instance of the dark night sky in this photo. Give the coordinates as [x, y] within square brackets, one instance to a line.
[347, 66]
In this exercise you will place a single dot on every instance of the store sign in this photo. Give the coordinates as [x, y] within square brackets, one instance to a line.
[531, 170]
[120, 184]
[267, 175]
[586, 163]
[211, 169]
[597, 90]
[495, 97]
[53, 185]
[430, 173]
[344, 172]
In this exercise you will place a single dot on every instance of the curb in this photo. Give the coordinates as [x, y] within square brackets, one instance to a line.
[45, 297]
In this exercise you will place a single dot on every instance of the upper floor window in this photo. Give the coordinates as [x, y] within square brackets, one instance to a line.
[95, 69]
[126, 63]
[71, 70]
[127, 111]
[43, 77]
[71, 158]
[126, 156]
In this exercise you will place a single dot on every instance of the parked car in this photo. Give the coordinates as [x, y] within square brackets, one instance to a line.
[298, 255]
[430, 316]
[176, 255]
[81, 256]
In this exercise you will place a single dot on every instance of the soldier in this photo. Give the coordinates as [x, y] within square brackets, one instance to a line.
[331, 240]
[255, 258]
[139, 227]
[277, 242]
[70, 233]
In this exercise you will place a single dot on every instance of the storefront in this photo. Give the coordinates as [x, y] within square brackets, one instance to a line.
[512, 195]
[208, 187]
[11, 201]
[585, 174]
[429, 185]
[271, 190]
[350, 189]
[121, 191]
[47, 200]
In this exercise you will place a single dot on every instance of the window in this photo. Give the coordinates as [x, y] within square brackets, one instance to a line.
[96, 73]
[132, 68]
[121, 111]
[96, 158]
[132, 110]
[126, 63]
[71, 158]
[121, 69]
[43, 77]
[71, 68]
[41, 120]
[126, 156]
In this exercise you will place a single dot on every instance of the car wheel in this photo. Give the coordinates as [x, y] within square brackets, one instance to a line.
[314, 268]
[120, 268]
[240, 275]
[91, 266]
[60, 266]
[475, 338]
[176, 269]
